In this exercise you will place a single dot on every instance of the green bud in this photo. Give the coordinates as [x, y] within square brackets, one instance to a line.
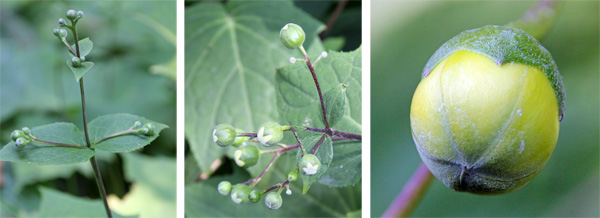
[292, 35]
[309, 164]
[273, 200]
[150, 127]
[136, 125]
[76, 61]
[16, 134]
[224, 135]
[239, 140]
[79, 14]
[224, 187]
[270, 134]
[239, 193]
[82, 58]
[254, 196]
[293, 176]
[21, 142]
[246, 156]
[62, 22]
[27, 131]
[71, 14]
[60, 33]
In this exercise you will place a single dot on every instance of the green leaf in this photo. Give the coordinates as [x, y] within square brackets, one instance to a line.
[58, 204]
[150, 195]
[85, 46]
[79, 71]
[109, 124]
[44, 154]
[298, 103]
[324, 153]
[335, 104]
[232, 51]
[203, 199]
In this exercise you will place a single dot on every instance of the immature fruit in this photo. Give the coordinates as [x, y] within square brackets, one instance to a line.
[246, 156]
[273, 200]
[239, 140]
[149, 129]
[27, 131]
[79, 14]
[269, 134]
[254, 196]
[485, 116]
[239, 193]
[292, 35]
[224, 187]
[309, 164]
[293, 176]
[76, 61]
[224, 135]
[62, 22]
[21, 142]
[16, 134]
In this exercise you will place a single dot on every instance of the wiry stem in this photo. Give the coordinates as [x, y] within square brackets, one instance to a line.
[314, 76]
[57, 143]
[318, 144]
[539, 19]
[298, 139]
[411, 194]
[334, 132]
[116, 134]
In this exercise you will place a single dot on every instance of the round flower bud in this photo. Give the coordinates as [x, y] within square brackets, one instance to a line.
[224, 135]
[62, 22]
[239, 140]
[76, 61]
[239, 193]
[136, 124]
[79, 14]
[485, 116]
[309, 164]
[21, 142]
[150, 127]
[82, 58]
[60, 33]
[27, 131]
[246, 156]
[273, 200]
[254, 196]
[71, 14]
[16, 134]
[269, 134]
[292, 176]
[324, 54]
[224, 187]
[292, 35]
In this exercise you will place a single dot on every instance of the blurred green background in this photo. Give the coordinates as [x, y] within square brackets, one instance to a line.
[405, 34]
[134, 45]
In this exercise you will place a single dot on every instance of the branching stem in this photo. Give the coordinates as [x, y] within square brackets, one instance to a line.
[334, 132]
[318, 144]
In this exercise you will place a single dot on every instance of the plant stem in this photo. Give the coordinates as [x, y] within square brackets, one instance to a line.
[334, 132]
[253, 135]
[57, 143]
[343, 139]
[538, 20]
[266, 169]
[298, 139]
[318, 144]
[336, 13]
[411, 194]
[277, 186]
[97, 174]
[283, 149]
[116, 134]
[314, 75]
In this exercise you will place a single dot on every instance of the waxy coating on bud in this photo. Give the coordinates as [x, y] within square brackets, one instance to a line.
[309, 164]
[239, 193]
[224, 135]
[270, 134]
[136, 125]
[76, 61]
[71, 14]
[254, 196]
[224, 187]
[292, 36]
[485, 116]
[246, 156]
[273, 200]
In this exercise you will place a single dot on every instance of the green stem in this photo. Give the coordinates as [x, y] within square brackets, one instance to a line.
[97, 174]
[411, 194]
[539, 19]
[117, 134]
[56, 143]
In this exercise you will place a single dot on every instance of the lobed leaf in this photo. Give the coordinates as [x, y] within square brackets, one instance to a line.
[109, 124]
[44, 154]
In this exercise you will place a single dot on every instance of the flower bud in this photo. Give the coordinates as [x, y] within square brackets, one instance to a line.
[224, 135]
[273, 200]
[224, 187]
[309, 164]
[27, 131]
[239, 140]
[76, 61]
[254, 196]
[485, 116]
[79, 14]
[239, 193]
[62, 22]
[292, 176]
[16, 134]
[269, 134]
[292, 36]
[21, 142]
[150, 129]
[246, 156]
[71, 14]
[60, 33]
